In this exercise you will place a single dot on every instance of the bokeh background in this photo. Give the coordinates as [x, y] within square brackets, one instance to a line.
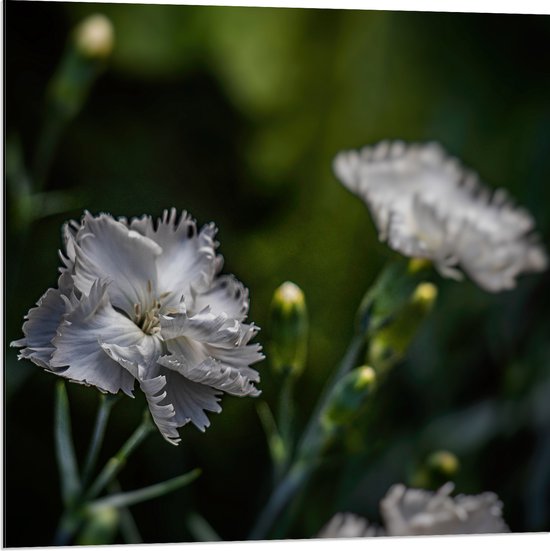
[235, 114]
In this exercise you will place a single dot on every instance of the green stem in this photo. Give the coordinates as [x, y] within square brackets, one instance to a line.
[293, 480]
[115, 464]
[348, 362]
[310, 447]
[103, 413]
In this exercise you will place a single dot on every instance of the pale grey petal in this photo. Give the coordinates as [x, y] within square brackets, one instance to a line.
[227, 295]
[240, 358]
[107, 249]
[207, 327]
[213, 373]
[409, 512]
[188, 259]
[78, 354]
[140, 360]
[164, 416]
[42, 323]
[190, 400]
[348, 525]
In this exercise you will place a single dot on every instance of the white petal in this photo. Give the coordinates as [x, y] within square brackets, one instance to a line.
[190, 399]
[42, 323]
[107, 249]
[188, 258]
[227, 295]
[181, 399]
[212, 373]
[207, 327]
[140, 360]
[78, 353]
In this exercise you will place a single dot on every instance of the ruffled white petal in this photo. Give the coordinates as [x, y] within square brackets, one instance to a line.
[207, 327]
[78, 354]
[188, 259]
[107, 249]
[227, 295]
[409, 512]
[42, 322]
[212, 373]
[190, 400]
[423, 202]
[140, 360]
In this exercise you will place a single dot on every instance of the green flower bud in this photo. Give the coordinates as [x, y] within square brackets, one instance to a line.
[440, 467]
[94, 37]
[444, 463]
[289, 329]
[388, 345]
[417, 265]
[100, 526]
[348, 396]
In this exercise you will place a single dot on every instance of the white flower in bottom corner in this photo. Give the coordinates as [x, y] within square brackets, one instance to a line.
[425, 204]
[144, 301]
[411, 511]
[415, 512]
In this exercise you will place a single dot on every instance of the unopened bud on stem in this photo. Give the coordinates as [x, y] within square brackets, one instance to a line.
[289, 329]
[389, 344]
[348, 396]
[94, 37]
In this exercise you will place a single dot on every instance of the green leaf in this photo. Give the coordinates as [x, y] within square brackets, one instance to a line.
[274, 440]
[126, 499]
[66, 459]
[201, 529]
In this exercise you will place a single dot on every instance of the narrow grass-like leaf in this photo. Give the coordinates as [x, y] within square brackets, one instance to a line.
[200, 528]
[66, 459]
[126, 499]
[274, 440]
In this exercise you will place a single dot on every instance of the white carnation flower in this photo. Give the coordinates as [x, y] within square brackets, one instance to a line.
[415, 512]
[411, 512]
[139, 301]
[425, 204]
[348, 525]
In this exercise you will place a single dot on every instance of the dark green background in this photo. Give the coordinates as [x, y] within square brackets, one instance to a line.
[235, 114]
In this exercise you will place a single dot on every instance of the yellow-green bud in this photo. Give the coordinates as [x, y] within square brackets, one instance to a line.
[444, 463]
[417, 264]
[100, 526]
[289, 329]
[390, 342]
[439, 467]
[94, 37]
[348, 396]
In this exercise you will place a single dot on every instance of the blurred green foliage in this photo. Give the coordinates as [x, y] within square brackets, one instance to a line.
[235, 114]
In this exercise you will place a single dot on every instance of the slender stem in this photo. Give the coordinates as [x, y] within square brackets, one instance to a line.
[347, 364]
[103, 413]
[67, 528]
[115, 464]
[295, 477]
[309, 449]
[128, 526]
[286, 411]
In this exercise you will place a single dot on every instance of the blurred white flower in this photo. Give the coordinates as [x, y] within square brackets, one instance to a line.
[411, 512]
[348, 525]
[414, 512]
[139, 301]
[425, 204]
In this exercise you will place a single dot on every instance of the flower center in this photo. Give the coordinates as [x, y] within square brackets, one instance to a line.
[147, 321]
